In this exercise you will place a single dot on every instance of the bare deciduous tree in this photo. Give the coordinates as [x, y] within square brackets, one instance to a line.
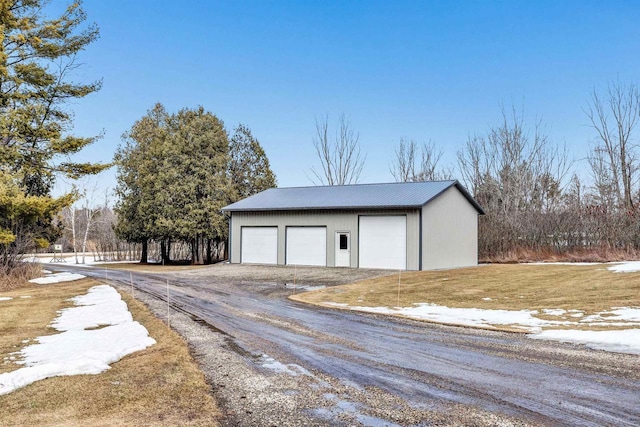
[518, 178]
[340, 157]
[615, 157]
[79, 219]
[409, 165]
[69, 222]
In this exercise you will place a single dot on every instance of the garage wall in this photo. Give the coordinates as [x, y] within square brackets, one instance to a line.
[333, 220]
[449, 232]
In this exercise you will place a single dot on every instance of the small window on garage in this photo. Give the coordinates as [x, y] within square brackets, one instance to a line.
[343, 241]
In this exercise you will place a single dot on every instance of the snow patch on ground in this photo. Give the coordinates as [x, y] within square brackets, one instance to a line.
[477, 317]
[625, 341]
[482, 317]
[5, 298]
[620, 314]
[57, 278]
[77, 350]
[625, 267]
[112, 310]
[553, 311]
[71, 259]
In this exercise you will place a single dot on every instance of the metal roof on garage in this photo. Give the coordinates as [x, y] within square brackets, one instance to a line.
[359, 196]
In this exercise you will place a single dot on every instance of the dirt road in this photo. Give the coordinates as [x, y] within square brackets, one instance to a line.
[272, 361]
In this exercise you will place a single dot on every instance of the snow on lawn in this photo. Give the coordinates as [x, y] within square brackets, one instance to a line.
[77, 349]
[619, 314]
[102, 305]
[71, 259]
[625, 267]
[5, 298]
[478, 317]
[625, 341]
[57, 278]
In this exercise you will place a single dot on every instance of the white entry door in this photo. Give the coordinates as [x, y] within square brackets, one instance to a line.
[382, 242]
[259, 245]
[307, 246]
[343, 249]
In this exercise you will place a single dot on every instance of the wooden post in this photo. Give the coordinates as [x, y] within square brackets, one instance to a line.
[295, 273]
[399, 276]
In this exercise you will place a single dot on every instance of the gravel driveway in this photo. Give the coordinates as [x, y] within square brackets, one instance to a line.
[271, 361]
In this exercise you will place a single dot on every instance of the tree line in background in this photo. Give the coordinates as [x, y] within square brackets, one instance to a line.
[175, 171]
[536, 206]
[175, 174]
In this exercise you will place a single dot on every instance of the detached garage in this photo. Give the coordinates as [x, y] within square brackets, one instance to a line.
[400, 226]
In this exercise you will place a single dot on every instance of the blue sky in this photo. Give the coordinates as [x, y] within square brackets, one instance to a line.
[434, 71]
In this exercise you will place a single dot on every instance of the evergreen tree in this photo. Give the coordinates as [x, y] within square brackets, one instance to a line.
[177, 171]
[140, 166]
[172, 181]
[249, 168]
[18, 214]
[37, 61]
[195, 188]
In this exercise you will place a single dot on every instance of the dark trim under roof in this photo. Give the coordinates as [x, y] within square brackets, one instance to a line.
[404, 195]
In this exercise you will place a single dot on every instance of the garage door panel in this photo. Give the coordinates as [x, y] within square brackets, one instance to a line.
[259, 245]
[306, 246]
[383, 242]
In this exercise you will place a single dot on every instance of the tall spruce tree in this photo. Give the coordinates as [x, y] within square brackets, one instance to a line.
[37, 61]
[195, 187]
[249, 168]
[140, 163]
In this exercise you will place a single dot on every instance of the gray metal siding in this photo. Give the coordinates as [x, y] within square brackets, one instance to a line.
[334, 221]
[449, 232]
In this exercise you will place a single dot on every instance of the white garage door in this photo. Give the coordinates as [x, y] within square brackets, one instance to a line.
[259, 245]
[307, 246]
[383, 242]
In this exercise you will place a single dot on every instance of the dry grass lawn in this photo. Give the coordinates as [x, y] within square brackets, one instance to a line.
[590, 288]
[159, 386]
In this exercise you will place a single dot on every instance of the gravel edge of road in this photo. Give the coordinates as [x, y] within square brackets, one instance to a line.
[250, 395]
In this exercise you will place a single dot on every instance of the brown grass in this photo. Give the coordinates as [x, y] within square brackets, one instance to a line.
[602, 254]
[19, 275]
[511, 287]
[159, 386]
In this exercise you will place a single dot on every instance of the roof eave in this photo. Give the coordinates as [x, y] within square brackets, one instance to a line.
[323, 208]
